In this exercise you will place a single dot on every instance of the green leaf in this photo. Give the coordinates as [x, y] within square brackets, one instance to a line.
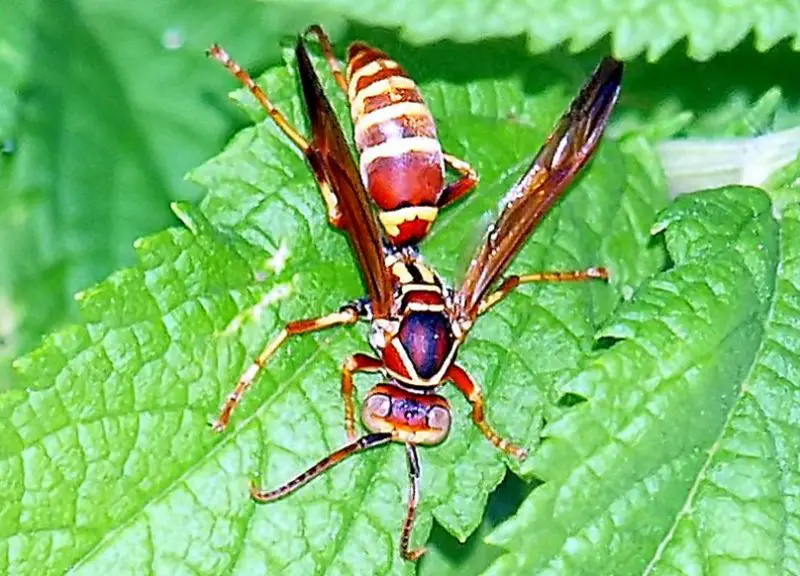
[740, 95]
[14, 36]
[737, 130]
[683, 458]
[107, 450]
[116, 102]
[14, 32]
[710, 26]
[447, 556]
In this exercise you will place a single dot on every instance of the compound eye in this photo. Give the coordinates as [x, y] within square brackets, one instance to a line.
[378, 405]
[439, 419]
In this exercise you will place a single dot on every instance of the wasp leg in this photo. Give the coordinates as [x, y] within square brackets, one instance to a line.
[220, 55]
[331, 202]
[413, 501]
[327, 51]
[466, 182]
[510, 283]
[356, 363]
[363, 443]
[470, 389]
[343, 317]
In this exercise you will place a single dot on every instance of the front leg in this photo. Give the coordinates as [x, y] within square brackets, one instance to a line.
[356, 363]
[470, 389]
[347, 315]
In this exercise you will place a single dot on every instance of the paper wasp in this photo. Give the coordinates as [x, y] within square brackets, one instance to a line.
[417, 322]
[402, 165]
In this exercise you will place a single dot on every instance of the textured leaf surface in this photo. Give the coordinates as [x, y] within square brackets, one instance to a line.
[683, 459]
[107, 451]
[647, 25]
[116, 102]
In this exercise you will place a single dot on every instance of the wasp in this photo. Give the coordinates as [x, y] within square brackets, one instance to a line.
[401, 161]
[417, 322]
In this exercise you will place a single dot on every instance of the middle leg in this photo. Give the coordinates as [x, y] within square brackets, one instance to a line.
[345, 316]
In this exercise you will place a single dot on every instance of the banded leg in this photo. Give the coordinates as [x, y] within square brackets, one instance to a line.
[331, 202]
[413, 501]
[470, 389]
[364, 443]
[510, 283]
[327, 51]
[341, 318]
[356, 363]
[468, 180]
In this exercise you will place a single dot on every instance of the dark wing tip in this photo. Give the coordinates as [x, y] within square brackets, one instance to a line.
[601, 92]
[567, 149]
[607, 75]
[301, 52]
[610, 68]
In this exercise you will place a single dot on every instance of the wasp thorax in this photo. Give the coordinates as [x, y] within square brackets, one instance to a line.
[412, 418]
[427, 340]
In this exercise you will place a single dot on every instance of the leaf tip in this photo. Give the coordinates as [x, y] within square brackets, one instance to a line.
[627, 291]
[182, 211]
[658, 227]
[611, 333]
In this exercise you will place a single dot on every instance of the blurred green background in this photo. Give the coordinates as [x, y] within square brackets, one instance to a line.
[105, 105]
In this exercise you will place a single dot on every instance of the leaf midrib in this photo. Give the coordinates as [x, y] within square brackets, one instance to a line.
[697, 359]
[701, 474]
[230, 435]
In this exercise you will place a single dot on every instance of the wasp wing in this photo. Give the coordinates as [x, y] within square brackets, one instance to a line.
[331, 157]
[567, 149]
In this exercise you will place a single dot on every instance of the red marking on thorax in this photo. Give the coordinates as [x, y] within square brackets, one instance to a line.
[428, 340]
[425, 297]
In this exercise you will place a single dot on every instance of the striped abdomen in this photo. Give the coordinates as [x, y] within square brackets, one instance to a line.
[401, 159]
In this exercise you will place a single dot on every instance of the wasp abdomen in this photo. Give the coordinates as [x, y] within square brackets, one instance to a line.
[402, 165]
